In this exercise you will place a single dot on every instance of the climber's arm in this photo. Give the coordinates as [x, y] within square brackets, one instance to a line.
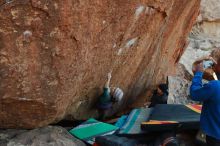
[107, 84]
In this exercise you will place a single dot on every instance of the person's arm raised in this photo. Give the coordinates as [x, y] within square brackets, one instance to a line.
[199, 92]
[107, 84]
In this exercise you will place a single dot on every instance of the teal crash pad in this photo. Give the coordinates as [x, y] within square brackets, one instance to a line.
[92, 128]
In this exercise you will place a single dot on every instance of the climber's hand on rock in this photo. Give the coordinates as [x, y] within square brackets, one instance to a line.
[107, 84]
[109, 76]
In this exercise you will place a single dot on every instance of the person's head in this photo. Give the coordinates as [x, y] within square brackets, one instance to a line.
[215, 54]
[162, 88]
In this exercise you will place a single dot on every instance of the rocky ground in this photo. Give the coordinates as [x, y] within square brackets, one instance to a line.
[47, 136]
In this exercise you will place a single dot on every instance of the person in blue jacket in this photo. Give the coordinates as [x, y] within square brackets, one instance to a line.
[209, 94]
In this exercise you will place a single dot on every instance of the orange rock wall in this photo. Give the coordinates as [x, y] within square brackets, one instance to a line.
[55, 54]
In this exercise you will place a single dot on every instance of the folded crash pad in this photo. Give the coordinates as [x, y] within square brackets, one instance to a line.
[134, 120]
[173, 117]
[121, 121]
[92, 128]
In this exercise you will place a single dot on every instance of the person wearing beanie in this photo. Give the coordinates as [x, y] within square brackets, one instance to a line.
[160, 95]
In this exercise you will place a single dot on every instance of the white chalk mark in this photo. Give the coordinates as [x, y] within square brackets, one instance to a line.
[24, 99]
[8, 1]
[139, 10]
[27, 32]
[149, 10]
[27, 35]
[120, 51]
[131, 42]
[114, 46]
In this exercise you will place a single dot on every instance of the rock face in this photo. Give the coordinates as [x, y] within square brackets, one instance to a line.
[205, 35]
[47, 136]
[179, 87]
[55, 55]
[179, 90]
[210, 10]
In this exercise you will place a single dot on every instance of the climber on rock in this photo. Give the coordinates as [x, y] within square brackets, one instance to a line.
[109, 97]
[160, 95]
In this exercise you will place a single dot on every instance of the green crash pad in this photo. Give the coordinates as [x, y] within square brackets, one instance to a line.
[92, 128]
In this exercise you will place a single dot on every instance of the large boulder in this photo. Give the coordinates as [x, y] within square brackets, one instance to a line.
[55, 55]
[47, 136]
[210, 10]
[205, 35]
[179, 88]
[192, 53]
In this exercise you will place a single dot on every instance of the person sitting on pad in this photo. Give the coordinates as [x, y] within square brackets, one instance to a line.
[160, 95]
